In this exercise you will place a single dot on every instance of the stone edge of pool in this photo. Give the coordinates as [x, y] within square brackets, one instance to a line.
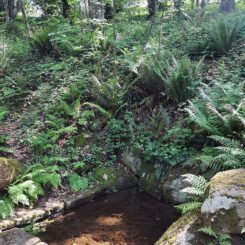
[50, 208]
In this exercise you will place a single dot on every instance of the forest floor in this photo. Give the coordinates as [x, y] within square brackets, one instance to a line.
[10, 127]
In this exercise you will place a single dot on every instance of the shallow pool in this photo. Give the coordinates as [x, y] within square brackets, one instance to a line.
[127, 217]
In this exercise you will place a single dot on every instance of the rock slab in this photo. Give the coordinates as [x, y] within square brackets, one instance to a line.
[19, 237]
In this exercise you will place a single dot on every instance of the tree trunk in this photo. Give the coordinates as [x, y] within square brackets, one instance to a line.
[65, 8]
[2, 6]
[152, 7]
[203, 5]
[227, 6]
[11, 8]
[178, 5]
[25, 18]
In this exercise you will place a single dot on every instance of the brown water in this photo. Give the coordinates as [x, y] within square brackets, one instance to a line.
[125, 218]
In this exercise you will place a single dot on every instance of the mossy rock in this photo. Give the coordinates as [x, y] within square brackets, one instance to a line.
[185, 232]
[149, 182]
[9, 168]
[114, 178]
[19, 237]
[224, 205]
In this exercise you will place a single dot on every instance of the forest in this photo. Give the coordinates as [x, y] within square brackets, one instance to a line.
[136, 104]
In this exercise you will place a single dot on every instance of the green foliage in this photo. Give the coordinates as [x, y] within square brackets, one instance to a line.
[229, 154]
[169, 150]
[223, 33]
[198, 185]
[24, 193]
[180, 78]
[3, 113]
[220, 239]
[77, 182]
[6, 207]
[29, 185]
[220, 35]
[41, 41]
[188, 206]
[159, 121]
[219, 110]
[108, 95]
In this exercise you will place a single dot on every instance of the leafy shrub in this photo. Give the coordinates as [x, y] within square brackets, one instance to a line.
[168, 150]
[3, 113]
[29, 185]
[77, 182]
[6, 207]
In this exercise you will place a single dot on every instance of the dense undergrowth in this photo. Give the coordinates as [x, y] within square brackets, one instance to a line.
[171, 89]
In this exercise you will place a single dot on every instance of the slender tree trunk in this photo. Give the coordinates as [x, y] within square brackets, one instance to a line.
[11, 8]
[2, 6]
[227, 6]
[5, 2]
[203, 5]
[28, 30]
[65, 8]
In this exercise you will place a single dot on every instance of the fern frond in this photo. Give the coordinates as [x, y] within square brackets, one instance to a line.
[188, 207]
[98, 108]
[197, 182]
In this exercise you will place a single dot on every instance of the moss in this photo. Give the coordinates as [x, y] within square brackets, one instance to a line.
[148, 177]
[107, 176]
[80, 140]
[229, 179]
[9, 168]
[170, 236]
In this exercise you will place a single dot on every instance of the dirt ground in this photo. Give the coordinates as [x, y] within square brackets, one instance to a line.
[126, 218]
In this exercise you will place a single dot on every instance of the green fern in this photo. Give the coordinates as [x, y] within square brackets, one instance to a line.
[25, 193]
[99, 109]
[6, 207]
[219, 110]
[230, 154]
[180, 78]
[222, 34]
[30, 184]
[198, 184]
[108, 96]
[189, 206]
[41, 41]
[197, 188]
[220, 238]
